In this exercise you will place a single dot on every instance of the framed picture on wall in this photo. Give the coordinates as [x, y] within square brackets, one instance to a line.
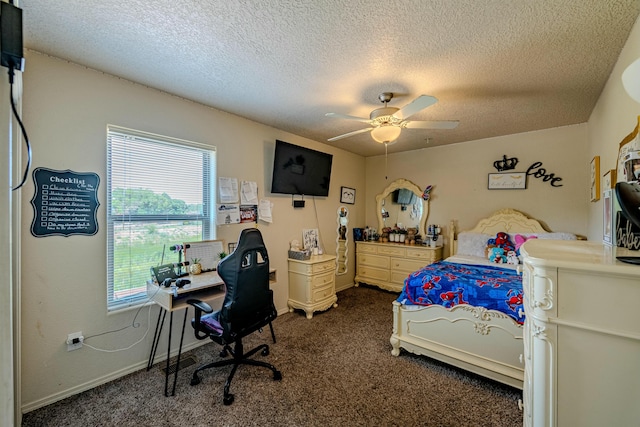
[507, 181]
[595, 179]
[609, 180]
[347, 195]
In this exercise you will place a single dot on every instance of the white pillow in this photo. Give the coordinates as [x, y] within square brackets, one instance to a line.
[550, 236]
[468, 259]
[557, 236]
[473, 244]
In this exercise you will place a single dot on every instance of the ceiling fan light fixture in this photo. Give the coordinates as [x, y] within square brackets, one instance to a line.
[386, 133]
[387, 122]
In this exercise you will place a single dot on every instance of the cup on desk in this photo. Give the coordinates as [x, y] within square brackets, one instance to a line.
[315, 251]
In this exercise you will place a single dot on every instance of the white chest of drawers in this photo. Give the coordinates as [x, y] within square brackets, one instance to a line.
[312, 284]
[581, 335]
[386, 265]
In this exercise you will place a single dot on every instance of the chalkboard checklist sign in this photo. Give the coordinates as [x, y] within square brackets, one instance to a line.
[64, 203]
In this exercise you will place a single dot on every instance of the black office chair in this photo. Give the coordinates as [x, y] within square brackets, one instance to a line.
[247, 307]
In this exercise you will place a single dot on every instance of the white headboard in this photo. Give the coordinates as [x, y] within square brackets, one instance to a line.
[508, 220]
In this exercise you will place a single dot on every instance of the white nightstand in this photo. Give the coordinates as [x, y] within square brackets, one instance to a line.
[312, 284]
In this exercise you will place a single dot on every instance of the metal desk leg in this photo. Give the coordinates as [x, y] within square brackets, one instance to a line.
[166, 375]
[156, 337]
[175, 375]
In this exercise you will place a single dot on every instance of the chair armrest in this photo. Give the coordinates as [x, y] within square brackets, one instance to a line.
[200, 307]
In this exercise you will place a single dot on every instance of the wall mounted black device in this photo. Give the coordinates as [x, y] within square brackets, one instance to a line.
[11, 55]
[298, 203]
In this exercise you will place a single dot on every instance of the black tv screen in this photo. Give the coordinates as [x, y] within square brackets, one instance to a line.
[300, 170]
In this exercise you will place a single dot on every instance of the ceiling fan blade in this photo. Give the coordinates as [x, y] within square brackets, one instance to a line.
[420, 103]
[346, 135]
[345, 116]
[436, 124]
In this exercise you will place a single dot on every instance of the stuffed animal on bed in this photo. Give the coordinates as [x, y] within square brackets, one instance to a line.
[496, 255]
[520, 240]
[512, 258]
[500, 248]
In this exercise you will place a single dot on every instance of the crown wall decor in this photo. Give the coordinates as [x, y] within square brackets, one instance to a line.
[505, 164]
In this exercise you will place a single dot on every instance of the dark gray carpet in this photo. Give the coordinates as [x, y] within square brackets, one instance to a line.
[337, 371]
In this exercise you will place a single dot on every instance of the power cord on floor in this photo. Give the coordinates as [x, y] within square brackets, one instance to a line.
[320, 241]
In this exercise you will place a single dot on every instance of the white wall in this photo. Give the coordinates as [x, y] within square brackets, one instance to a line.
[67, 108]
[614, 117]
[459, 174]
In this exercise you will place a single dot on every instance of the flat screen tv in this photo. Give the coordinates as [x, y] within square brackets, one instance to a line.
[300, 170]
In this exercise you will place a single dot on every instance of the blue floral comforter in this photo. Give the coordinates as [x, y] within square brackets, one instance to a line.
[450, 284]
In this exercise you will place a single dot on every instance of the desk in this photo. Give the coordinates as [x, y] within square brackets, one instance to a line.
[207, 287]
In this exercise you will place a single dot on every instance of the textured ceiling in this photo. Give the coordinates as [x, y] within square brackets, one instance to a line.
[498, 66]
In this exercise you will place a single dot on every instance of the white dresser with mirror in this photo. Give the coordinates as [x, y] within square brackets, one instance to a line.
[386, 265]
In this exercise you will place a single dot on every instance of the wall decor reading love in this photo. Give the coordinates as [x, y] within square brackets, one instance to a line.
[537, 171]
[508, 163]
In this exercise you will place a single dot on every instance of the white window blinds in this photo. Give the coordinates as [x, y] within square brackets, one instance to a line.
[160, 192]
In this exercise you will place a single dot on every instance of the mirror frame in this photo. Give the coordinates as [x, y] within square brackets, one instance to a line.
[346, 240]
[403, 183]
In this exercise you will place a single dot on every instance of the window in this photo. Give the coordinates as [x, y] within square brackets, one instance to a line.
[160, 192]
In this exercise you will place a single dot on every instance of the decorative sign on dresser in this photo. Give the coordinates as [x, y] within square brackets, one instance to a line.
[581, 335]
[386, 265]
[312, 284]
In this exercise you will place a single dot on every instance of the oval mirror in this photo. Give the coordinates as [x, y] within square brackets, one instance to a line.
[341, 240]
[401, 204]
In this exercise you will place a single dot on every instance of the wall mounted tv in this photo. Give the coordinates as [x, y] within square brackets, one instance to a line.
[300, 170]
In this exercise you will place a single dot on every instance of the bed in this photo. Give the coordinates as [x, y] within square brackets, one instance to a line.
[486, 341]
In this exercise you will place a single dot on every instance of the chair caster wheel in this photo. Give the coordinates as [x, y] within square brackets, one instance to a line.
[265, 351]
[228, 399]
[195, 380]
[277, 376]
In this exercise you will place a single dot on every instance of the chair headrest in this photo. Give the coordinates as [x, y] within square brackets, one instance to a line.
[250, 240]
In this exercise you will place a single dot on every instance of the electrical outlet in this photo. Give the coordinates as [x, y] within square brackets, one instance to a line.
[74, 341]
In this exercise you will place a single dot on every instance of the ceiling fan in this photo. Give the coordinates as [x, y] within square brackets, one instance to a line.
[387, 122]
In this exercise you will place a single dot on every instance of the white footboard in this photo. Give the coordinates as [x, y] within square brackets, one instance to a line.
[482, 341]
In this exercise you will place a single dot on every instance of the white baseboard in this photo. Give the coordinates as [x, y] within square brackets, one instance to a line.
[48, 400]
[345, 287]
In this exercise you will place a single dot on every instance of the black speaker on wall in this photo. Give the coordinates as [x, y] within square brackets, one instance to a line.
[11, 55]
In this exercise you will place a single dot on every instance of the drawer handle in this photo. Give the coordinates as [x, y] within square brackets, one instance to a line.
[520, 312]
[521, 357]
[520, 404]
